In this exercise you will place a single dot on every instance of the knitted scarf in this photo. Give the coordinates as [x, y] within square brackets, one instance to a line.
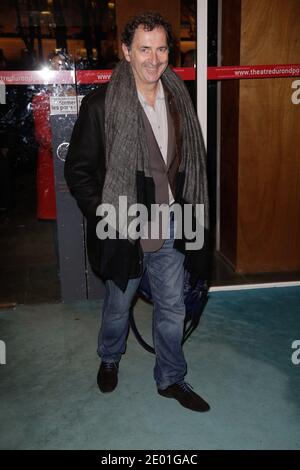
[125, 140]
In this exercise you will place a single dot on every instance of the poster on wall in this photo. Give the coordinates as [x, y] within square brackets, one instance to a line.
[78, 282]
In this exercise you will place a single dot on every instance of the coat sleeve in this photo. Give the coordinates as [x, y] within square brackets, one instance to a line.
[84, 169]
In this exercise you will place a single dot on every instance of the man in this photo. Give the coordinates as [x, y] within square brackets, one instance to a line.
[139, 137]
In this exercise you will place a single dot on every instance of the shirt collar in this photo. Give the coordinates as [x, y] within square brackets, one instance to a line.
[160, 92]
[159, 96]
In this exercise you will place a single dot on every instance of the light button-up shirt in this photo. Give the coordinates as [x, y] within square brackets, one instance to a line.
[157, 116]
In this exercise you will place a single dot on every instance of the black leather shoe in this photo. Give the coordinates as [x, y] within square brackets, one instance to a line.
[107, 377]
[186, 397]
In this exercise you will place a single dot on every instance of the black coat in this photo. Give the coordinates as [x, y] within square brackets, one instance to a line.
[84, 172]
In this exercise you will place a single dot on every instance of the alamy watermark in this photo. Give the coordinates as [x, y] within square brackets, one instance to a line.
[133, 222]
[2, 352]
[296, 94]
[296, 354]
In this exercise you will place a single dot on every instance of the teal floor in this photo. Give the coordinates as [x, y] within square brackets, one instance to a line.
[239, 361]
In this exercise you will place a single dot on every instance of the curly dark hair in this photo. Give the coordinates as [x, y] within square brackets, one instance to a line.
[149, 20]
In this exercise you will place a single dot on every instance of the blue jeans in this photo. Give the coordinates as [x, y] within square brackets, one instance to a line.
[166, 273]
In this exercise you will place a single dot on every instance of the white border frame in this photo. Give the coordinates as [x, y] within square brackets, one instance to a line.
[218, 146]
[263, 285]
[202, 11]
[202, 21]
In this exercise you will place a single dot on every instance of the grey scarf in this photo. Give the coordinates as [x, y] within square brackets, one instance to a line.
[125, 136]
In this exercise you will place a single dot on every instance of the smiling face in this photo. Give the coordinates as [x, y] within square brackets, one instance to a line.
[148, 55]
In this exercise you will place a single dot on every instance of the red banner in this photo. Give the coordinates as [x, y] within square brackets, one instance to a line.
[213, 73]
[187, 73]
[83, 77]
[37, 77]
[253, 71]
